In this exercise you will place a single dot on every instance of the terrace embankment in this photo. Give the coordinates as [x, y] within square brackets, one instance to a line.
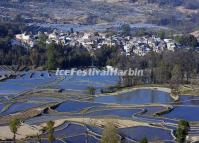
[32, 112]
[189, 90]
[23, 131]
[21, 115]
[2, 78]
[167, 110]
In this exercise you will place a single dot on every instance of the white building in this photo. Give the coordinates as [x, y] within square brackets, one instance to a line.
[25, 39]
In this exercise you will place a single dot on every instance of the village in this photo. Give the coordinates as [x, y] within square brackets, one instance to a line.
[93, 40]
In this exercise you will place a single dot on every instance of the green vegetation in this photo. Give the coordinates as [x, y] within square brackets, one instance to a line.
[161, 34]
[110, 89]
[91, 90]
[14, 125]
[189, 90]
[50, 129]
[51, 57]
[110, 134]
[175, 92]
[126, 30]
[144, 140]
[187, 40]
[182, 131]
[107, 55]
[176, 75]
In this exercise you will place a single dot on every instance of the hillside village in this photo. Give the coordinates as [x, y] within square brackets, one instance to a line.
[92, 40]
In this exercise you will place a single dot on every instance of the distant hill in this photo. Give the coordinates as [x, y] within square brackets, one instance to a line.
[177, 14]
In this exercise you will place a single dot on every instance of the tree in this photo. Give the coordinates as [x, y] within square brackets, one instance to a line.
[127, 80]
[187, 40]
[182, 131]
[152, 63]
[51, 57]
[14, 125]
[176, 75]
[126, 30]
[162, 73]
[91, 90]
[50, 130]
[188, 64]
[34, 57]
[41, 42]
[18, 18]
[104, 54]
[110, 134]
[144, 140]
[161, 34]
[141, 32]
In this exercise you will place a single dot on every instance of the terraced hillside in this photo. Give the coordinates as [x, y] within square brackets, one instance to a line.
[177, 14]
[136, 113]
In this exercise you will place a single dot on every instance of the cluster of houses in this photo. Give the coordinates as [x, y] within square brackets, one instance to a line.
[93, 40]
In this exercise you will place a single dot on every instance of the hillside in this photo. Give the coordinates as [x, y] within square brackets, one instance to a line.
[181, 14]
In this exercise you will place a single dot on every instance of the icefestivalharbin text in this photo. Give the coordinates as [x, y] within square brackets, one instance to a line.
[97, 72]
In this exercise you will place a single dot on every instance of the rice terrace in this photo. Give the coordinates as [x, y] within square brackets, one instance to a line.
[39, 97]
[99, 71]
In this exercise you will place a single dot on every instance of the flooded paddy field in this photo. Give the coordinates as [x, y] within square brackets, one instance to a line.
[72, 100]
[189, 113]
[19, 107]
[69, 129]
[80, 138]
[142, 96]
[151, 133]
[123, 113]
[76, 132]
[81, 83]
[188, 100]
[3, 98]
[75, 106]
[25, 81]
[72, 139]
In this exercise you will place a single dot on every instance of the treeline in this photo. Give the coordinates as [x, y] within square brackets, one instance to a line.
[58, 56]
[173, 68]
[8, 54]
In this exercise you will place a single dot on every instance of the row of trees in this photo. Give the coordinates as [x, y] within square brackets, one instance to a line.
[168, 67]
[165, 67]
